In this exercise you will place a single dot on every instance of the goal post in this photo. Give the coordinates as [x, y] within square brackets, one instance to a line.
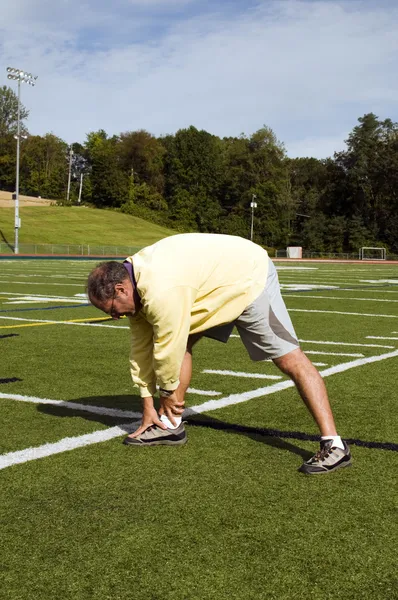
[372, 253]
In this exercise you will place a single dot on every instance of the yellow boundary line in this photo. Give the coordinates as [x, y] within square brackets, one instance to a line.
[54, 323]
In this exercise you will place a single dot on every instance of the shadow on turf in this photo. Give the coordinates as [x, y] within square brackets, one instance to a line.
[133, 403]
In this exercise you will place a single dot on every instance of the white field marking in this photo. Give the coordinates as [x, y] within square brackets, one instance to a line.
[233, 335]
[378, 337]
[337, 312]
[282, 385]
[64, 322]
[296, 268]
[30, 300]
[22, 456]
[378, 281]
[340, 298]
[41, 283]
[311, 287]
[242, 374]
[43, 276]
[317, 364]
[98, 410]
[69, 443]
[347, 343]
[38, 296]
[337, 284]
[203, 392]
[330, 353]
[369, 291]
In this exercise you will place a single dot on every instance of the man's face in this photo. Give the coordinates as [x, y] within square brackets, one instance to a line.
[122, 302]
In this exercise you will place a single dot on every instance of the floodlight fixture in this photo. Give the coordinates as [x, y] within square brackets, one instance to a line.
[20, 76]
[253, 205]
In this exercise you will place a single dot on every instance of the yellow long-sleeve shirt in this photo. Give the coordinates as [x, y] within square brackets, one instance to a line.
[187, 284]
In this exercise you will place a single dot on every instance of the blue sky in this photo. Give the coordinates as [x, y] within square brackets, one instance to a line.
[306, 68]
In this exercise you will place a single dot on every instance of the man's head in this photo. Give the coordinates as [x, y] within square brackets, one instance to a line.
[110, 289]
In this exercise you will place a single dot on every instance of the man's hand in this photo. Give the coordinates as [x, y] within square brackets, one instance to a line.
[149, 417]
[171, 406]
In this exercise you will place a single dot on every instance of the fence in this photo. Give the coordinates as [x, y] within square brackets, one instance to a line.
[331, 255]
[69, 250]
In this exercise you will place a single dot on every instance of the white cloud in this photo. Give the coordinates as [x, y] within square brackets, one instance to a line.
[308, 69]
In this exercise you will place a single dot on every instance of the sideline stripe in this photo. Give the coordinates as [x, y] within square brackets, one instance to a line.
[242, 374]
[12, 458]
[337, 312]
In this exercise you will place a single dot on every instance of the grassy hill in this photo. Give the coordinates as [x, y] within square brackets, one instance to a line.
[78, 225]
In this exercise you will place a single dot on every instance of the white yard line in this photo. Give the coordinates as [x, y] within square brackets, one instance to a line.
[22, 456]
[378, 337]
[332, 353]
[242, 374]
[99, 410]
[338, 298]
[65, 322]
[337, 312]
[69, 443]
[282, 385]
[80, 285]
[203, 392]
[348, 343]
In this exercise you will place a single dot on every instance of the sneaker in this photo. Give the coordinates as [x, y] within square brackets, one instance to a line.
[328, 459]
[155, 436]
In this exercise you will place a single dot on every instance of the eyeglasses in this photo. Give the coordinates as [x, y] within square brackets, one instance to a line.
[113, 313]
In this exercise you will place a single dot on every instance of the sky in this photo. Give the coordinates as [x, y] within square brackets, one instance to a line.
[306, 68]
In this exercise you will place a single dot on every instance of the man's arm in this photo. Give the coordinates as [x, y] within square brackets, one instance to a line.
[142, 372]
[171, 321]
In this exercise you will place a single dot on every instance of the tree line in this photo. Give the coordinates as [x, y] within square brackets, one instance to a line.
[196, 181]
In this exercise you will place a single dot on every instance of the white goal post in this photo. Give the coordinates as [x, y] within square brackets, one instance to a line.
[369, 253]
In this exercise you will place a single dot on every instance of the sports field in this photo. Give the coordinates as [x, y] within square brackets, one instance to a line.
[227, 516]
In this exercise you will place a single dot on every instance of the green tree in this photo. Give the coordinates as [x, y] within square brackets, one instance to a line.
[194, 172]
[142, 154]
[9, 112]
[44, 167]
[109, 182]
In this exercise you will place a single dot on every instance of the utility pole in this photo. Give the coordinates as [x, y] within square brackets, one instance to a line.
[69, 174]
[18, 75]
[253, 205]
[80, 188]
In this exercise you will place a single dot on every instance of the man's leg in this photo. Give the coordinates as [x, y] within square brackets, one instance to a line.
[334, 453]
[311, 388]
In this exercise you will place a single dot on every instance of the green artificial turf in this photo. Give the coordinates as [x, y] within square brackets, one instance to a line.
[225, 517]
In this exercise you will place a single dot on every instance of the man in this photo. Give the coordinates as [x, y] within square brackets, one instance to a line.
[193, 285]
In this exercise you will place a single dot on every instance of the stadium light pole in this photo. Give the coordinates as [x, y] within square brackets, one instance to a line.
[253, 205]
[20, 76]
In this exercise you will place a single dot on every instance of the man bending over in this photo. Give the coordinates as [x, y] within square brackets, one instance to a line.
[193, 285]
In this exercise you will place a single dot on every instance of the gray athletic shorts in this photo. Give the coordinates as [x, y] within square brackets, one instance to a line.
[264, 326]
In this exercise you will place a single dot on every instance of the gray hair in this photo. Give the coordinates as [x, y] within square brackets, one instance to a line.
[103, 278]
